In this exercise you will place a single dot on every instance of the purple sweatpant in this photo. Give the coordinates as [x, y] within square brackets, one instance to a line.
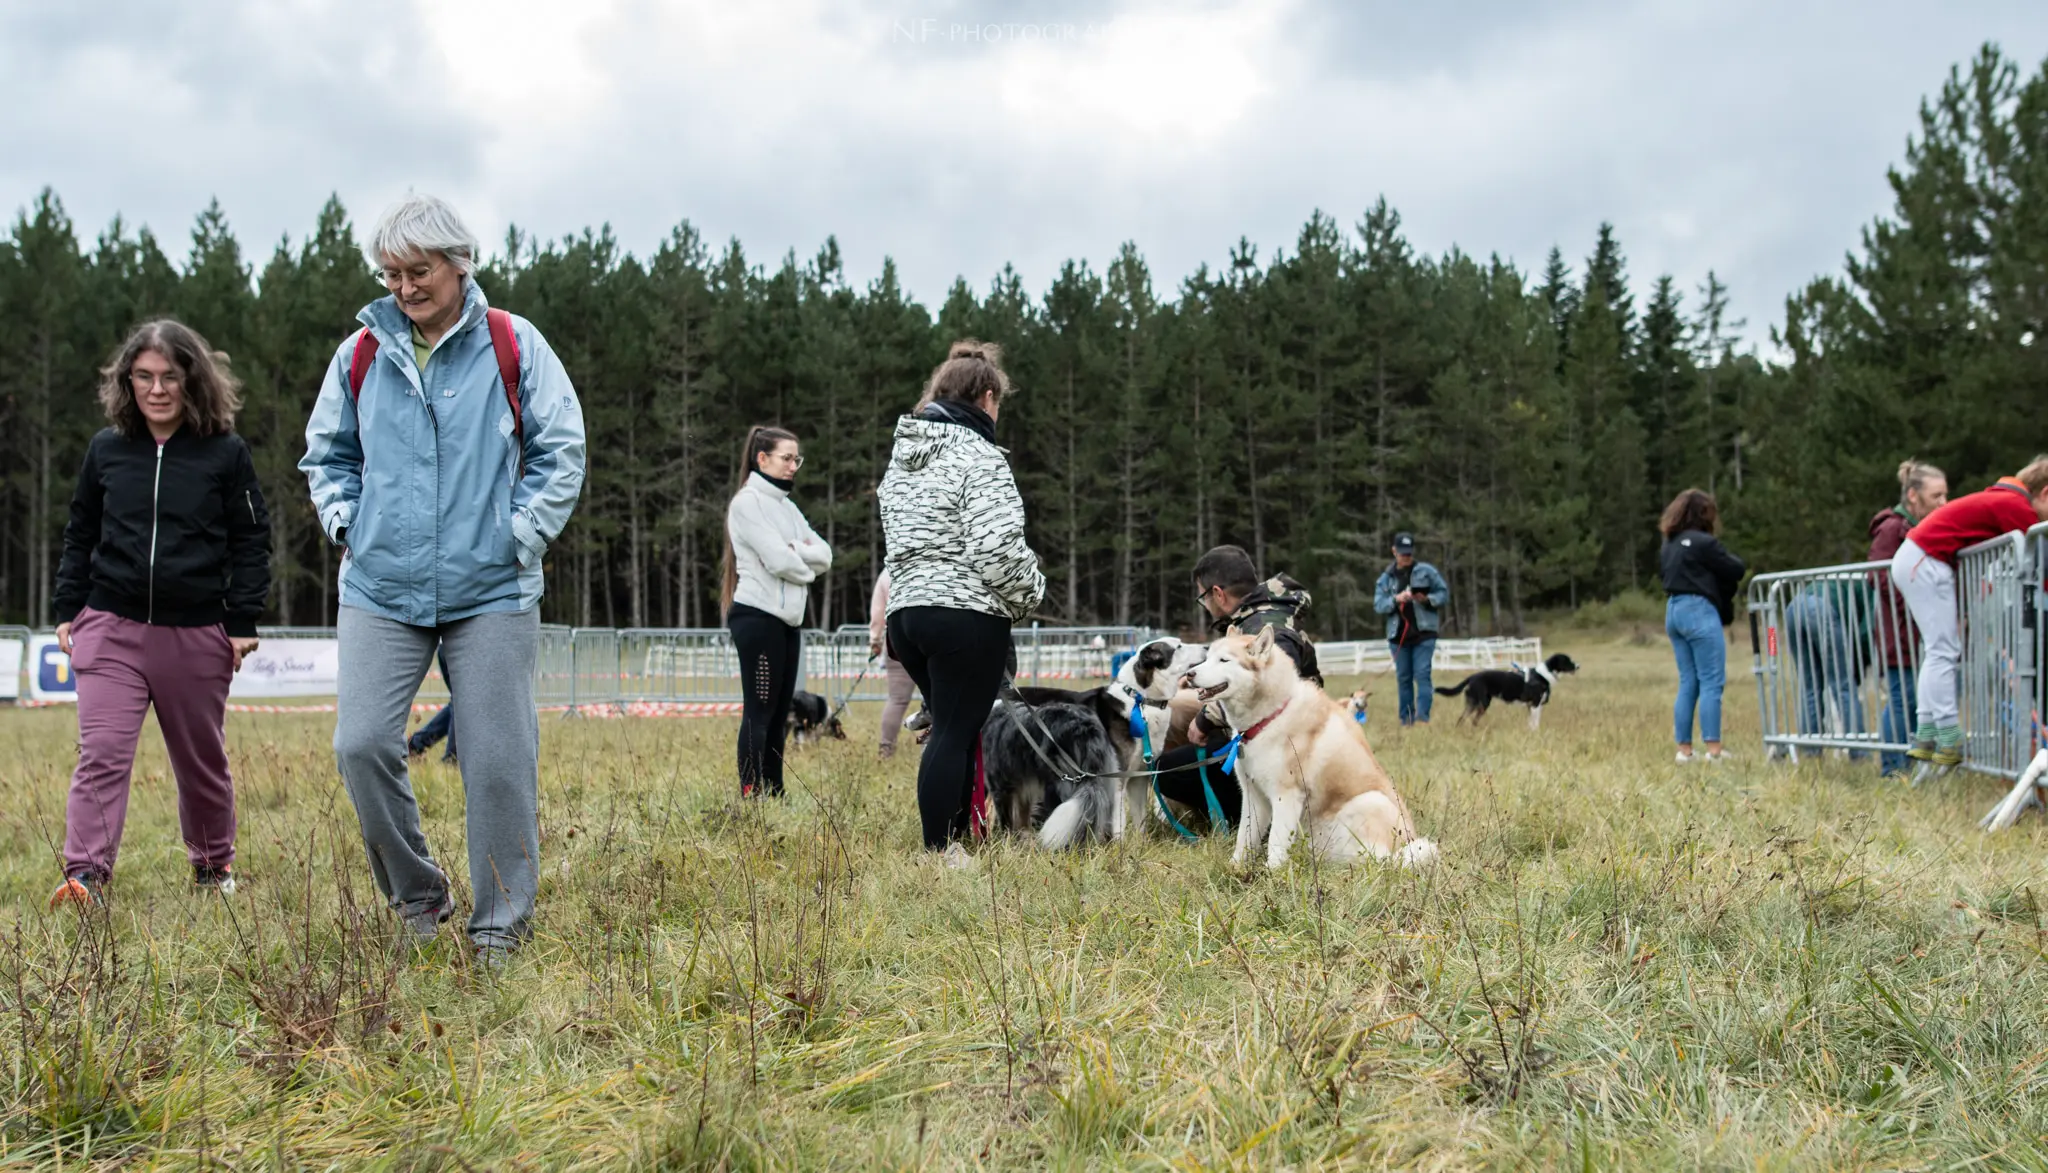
[123, 668]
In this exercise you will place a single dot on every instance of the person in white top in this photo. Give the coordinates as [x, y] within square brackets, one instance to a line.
[901, 686]
[771, 558]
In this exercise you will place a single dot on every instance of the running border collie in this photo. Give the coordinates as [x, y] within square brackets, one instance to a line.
[1523, 684]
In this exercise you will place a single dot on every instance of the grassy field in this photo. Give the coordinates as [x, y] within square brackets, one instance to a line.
[1622, 963]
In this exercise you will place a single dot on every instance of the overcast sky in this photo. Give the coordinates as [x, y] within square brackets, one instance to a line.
[1743, 136]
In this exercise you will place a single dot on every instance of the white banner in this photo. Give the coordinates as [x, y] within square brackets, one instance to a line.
[49, 671]
[288, 667]
[10, 669]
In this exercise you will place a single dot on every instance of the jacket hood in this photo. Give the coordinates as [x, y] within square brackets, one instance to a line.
[920, 441]
[1278, 593]
[1887, 517]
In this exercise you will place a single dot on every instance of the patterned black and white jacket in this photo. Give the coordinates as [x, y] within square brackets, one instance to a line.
[954, 524]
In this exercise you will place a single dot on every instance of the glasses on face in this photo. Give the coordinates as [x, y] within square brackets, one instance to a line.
[1202, 596]
[794, 460]
[417, 274]
[142, 381]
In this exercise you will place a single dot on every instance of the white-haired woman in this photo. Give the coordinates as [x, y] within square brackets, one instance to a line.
[445, 453]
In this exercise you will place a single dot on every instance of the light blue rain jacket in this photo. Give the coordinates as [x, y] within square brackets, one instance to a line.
[422, 472]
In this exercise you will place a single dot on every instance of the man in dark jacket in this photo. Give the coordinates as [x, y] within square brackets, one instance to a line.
[1228, 587]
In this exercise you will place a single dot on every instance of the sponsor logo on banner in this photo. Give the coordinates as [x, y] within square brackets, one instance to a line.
[50, 676]
[289, 667]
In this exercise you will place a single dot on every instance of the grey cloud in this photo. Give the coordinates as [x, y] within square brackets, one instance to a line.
[1745, 137]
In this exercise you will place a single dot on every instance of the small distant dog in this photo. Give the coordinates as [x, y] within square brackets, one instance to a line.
[1090, 729]
[1523, 684]
[1355, 705]
[811, 715]
[1303, 762]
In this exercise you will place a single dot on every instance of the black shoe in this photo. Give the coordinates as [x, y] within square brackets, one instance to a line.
[218, 879]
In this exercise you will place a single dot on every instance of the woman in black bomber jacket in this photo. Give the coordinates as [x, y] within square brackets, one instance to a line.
[165, 571]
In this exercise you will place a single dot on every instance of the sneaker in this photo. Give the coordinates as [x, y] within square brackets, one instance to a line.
[1922, 751]
[1685, 759]
[956, 858]
[220, 879]
[84, 889]
[1717, 758]
[426, 923]
[1947, 757]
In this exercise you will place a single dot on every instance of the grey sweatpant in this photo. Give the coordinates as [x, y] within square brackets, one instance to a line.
[491, 657]
[1929, 586]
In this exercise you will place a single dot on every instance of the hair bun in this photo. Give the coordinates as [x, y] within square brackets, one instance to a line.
[971, 350]
[1906, 469]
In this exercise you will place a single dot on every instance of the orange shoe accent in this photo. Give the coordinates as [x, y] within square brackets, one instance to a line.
[73, 891]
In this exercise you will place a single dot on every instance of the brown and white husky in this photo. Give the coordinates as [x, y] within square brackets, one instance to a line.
[1303, 762]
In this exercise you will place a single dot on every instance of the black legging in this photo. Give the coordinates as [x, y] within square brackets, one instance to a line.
[771, 653]
[1185, 785]
[957, 658]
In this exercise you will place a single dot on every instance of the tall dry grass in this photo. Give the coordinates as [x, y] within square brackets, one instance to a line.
[1622, 963]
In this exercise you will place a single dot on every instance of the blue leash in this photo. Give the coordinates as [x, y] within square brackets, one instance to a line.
[1143, 733]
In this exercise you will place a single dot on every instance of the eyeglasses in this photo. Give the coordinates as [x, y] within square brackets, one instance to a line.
[792, 459]
[144, 380]
[1202, 596]
[417, 274]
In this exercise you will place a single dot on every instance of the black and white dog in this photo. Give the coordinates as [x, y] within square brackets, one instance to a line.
[1031, 742]
[811, 715]
[1523, 684]
[1157, 669]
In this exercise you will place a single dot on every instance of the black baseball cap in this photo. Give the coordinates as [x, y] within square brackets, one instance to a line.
[1404, 543]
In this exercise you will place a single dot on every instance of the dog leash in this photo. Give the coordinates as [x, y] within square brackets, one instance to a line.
[851, 689]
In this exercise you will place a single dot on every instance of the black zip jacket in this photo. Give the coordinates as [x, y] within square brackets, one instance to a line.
[175, 535]
[1696, 563]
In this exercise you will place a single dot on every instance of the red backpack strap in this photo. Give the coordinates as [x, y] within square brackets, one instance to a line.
[506, 344]
[359, 362]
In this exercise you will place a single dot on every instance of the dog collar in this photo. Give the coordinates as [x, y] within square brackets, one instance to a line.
[1271, 717]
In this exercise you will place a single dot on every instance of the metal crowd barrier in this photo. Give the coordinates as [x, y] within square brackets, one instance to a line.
[1358, 657]
[1836, 658]
[1998, 594]
[577, 667]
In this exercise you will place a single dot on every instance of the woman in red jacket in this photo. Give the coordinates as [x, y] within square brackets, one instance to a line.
[1923, 489]
[1924, 571]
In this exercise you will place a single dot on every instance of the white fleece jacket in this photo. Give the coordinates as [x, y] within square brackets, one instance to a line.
[775, 551]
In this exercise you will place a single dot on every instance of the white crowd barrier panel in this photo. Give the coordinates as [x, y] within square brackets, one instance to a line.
[1836, 659]
[1368, 656]
[14, 645]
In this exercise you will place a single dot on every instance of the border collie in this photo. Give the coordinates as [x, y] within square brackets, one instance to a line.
[811, 715]
[1523, 684]
[1157, 669]
[1092, 729]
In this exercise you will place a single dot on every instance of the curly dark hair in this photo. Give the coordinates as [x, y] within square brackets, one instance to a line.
[212, 393]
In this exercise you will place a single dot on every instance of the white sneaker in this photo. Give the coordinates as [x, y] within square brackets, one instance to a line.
[1685, 759]
[1718, 758]
[956, 858]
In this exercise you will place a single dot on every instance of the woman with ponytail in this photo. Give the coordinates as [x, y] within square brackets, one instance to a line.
[960, 572]
[1923, 489]
[771, 558]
